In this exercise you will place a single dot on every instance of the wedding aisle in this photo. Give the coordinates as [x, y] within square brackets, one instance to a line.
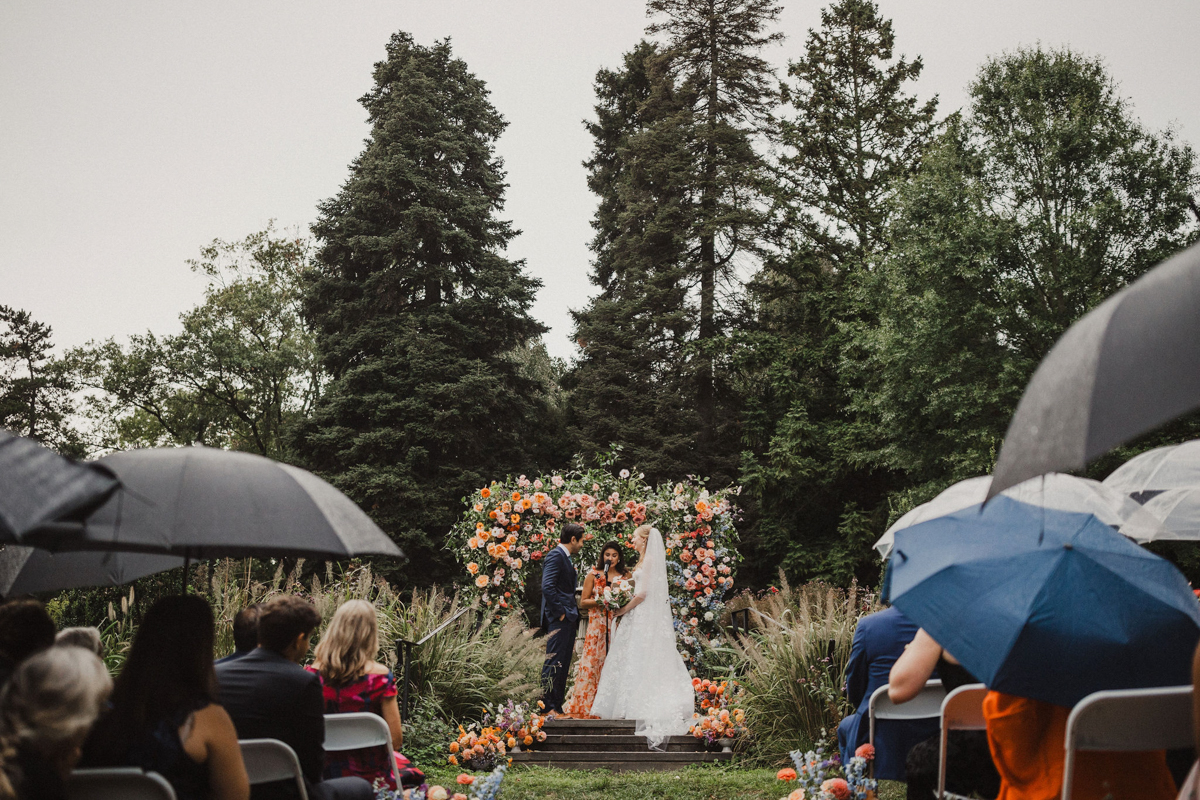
[611, 744]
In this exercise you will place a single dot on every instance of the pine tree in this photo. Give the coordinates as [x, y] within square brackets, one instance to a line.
[36, 388]
[850, 133]
[416, 308]
[629, 386]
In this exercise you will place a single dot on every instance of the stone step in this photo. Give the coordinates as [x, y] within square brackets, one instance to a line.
[618, 761]
[615, 742]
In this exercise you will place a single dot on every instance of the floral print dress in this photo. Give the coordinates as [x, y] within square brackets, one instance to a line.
[591, 660]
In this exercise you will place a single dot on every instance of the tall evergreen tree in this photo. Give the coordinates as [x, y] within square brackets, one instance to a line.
[36, 388]
[416, 308]
[850, 132]
[630, 385]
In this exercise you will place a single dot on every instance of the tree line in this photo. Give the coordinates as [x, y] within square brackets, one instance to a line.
[809, 285]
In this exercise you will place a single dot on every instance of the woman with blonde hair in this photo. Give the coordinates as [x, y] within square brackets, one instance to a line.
[353, 681]
[46, 711]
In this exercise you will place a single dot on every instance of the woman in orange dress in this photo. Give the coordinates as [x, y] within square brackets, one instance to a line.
[595, 645]
[1027, 739]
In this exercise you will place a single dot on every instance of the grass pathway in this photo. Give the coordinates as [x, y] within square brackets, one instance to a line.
[692, 783]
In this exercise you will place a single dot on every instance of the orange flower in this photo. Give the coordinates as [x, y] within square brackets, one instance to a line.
[786, 774]
[516, 496]
[452, 760]
[485, 493]
[454, 747]
[515, 518]
[478, 526]
[472, 568]
[511, 742]
[505, 507]
[464, 779]
[478, 507]
[528, 740]
[481, 581]
[492, 514]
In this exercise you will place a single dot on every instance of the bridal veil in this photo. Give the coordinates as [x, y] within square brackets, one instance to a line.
[644, 677]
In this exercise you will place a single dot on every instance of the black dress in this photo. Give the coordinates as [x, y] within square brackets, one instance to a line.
[969, 767]
[157, 750]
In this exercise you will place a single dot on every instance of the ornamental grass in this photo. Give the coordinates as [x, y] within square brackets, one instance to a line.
[791, 666]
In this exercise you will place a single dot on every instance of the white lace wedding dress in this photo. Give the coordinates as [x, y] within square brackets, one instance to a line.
[644, 677]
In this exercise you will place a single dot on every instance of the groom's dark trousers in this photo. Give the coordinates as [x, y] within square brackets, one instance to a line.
[560, 617]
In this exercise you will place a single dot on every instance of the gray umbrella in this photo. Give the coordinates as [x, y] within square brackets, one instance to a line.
[1130, 365]
[200, 502]
[25, 570]
[37, 485]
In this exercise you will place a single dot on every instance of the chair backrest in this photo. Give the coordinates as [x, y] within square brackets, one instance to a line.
[118, 783]
[962, 710]
[269, 760]
[926, 705]
[357, 731]
[1128, 719]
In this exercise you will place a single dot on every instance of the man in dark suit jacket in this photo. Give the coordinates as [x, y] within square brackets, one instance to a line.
[879, 639]
[270, 696]
[560, 615]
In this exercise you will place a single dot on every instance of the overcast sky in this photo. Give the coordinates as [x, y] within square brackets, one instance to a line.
[132, 133]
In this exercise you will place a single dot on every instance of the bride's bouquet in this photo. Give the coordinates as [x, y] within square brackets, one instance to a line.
[617, 594]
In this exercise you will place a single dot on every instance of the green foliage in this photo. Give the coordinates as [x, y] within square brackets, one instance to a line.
[239, 375]
[851, 132]
[416, 309]
[1041, 201]
[791, 666]
[36, 388]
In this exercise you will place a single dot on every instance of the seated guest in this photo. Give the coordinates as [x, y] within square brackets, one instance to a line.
[353, 680]
[1027, 740]
[879, 639]
[270, 696]
[87, 638]
[245, 633]
[25, 629]
[969, 767]
[46, 710]
[163, 716]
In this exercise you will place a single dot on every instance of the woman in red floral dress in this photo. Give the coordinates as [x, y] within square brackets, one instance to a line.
[595, 645]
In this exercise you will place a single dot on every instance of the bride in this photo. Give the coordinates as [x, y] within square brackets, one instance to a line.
[644, 677]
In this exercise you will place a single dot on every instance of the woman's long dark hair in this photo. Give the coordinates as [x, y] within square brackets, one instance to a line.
[169, 672]
[619, 566]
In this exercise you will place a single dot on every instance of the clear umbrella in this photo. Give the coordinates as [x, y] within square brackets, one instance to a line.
[1053, 491]
[1166, 481]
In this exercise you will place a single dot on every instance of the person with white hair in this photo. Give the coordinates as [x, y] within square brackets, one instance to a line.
[47, 709]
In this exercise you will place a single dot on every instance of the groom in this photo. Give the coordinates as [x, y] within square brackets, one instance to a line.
[559, 614]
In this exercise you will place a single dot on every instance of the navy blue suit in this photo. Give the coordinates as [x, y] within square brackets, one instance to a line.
[558, 600]
[879, 640]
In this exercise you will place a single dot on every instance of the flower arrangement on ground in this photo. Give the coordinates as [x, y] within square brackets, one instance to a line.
[519, 723]
[510, 525]
[479, 747]
[720, 715]
[823, 778]
[486, 789]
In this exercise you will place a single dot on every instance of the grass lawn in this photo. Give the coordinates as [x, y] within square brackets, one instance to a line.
[705, 782]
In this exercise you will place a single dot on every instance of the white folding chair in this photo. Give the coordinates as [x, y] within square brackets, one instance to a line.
[359, 730]
[962, 710]
[926, 705]
[118, 783]
[1128, 719]
[270, 760]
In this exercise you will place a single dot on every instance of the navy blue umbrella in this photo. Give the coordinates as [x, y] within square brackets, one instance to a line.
[1050, 605]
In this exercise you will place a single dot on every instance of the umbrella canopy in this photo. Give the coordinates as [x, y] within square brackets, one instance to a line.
[25, 570]
[202, 502]
[1127, 367]
[1046, 604]
[38, 485]
[1166, 480]
[1055, 490]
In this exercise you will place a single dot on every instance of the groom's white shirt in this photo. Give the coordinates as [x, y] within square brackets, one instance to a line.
[563, 547]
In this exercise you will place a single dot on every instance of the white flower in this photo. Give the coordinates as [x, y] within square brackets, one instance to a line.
[708, 616]
[624, 474]
[687, 517]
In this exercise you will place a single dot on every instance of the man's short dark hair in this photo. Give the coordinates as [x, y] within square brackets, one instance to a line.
[570, 532]
[283, 619]
[245, 628]
[25, 629]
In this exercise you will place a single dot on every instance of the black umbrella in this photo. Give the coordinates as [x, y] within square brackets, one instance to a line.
[25, 570]
[38, 485]
[1130, 365]
[199, 502]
